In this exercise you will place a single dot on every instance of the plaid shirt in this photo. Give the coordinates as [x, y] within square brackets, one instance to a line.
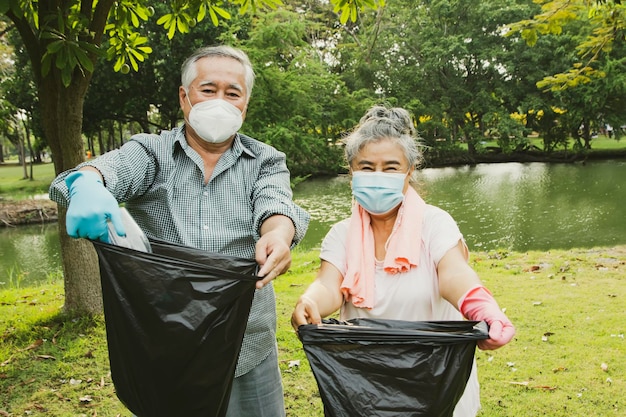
[161, 180]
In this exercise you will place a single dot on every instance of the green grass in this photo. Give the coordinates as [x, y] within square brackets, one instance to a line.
[567, 358]
[601, 143]
[14, 186]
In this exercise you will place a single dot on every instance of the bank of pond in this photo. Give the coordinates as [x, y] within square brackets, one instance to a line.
[505, 206]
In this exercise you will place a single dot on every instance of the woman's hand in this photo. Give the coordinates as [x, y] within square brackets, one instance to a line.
[305, 312]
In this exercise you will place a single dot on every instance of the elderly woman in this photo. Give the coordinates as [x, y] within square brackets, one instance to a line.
[397, 257]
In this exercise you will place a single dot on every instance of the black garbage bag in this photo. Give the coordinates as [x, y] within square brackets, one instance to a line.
[379, 368]
[175, 320]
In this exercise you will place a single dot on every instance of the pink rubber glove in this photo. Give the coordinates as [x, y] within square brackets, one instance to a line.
[479, 305]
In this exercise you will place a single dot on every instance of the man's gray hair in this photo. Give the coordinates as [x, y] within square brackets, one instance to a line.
[189, 71]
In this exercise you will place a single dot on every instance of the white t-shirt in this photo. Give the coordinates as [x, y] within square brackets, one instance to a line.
[413, 295]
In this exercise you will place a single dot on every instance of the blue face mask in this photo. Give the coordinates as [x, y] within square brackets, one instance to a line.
[378, 192]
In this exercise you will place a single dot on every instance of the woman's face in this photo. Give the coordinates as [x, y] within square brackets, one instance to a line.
[383, 156]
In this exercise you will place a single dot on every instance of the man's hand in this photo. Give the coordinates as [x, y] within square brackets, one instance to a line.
[90, 206]
[274, 256]
[273, 250]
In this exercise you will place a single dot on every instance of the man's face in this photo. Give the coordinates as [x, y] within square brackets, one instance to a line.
[217, 77]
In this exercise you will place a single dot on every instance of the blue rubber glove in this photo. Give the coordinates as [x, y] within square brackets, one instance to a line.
[91, 205]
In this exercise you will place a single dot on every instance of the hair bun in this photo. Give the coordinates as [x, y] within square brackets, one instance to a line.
[396, 117]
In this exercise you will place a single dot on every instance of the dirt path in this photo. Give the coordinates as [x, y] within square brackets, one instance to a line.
[14, 213]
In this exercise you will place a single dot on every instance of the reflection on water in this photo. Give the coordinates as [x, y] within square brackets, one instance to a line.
[510, 206]
[515, 206]
[28, 254]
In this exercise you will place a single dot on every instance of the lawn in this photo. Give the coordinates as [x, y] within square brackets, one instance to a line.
[566, 360]
[14, 185]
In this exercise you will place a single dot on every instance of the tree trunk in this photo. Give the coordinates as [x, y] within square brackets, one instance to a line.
[30, 149]
[22, 153]
[62, 114]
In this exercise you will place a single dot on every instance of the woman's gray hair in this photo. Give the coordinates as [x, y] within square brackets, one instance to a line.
[380, 123]
[189, 71]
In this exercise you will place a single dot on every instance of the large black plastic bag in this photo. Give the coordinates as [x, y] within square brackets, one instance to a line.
[377, 368]
[175, 320]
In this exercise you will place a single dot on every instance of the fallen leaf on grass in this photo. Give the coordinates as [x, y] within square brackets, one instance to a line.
[527, 384]
[54, 338]
[559, 369]
[85, 399]
[34, 345]
[46, 357]
[532, 268]
[604, 367]
[4, 414]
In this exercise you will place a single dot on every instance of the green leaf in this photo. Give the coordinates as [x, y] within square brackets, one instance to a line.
[62, 59]
[118, 64]
[345, 14]
[55, 46]
[243, 8]
[165, 20]
[134, 53]
[46, 62]
[66, 77]
[182, 25]
[142, 12]
[213, 17]
[84, 60]
[90, 47]
[133, 63]
[201, 12]
[221, 12]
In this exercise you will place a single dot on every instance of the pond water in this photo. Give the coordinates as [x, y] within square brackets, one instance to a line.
[28, 254]
[515, 206]
[512, 206]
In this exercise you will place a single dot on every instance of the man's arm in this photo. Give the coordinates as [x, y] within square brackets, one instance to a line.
[273, 250]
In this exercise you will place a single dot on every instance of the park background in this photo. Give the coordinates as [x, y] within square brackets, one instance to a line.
[482, 83]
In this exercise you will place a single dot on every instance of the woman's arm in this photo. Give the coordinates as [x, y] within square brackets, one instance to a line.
[322, 298]
[456, 276]
[460, 285]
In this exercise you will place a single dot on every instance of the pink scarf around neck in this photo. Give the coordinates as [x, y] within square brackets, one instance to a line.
[403, 249]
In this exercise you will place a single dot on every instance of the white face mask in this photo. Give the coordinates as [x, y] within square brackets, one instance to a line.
[214, 120]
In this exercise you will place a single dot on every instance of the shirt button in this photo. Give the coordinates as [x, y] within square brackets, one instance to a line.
[205, 227]
[205, 193]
